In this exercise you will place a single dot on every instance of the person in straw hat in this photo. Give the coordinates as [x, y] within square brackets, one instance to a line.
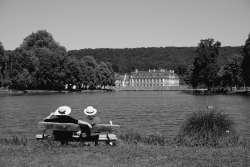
[62, 116]
[90, 112]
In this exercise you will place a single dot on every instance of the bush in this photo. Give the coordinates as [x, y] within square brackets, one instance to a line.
[208, 128]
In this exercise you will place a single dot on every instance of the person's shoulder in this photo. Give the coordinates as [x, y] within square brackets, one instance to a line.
[51, 120]
[97, 118]
[71, 119]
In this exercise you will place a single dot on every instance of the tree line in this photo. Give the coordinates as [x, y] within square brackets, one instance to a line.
[41, 63]
[206, 72]
[206, 66]
[170, 58]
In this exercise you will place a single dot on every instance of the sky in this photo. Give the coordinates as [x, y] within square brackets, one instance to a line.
[80, 24]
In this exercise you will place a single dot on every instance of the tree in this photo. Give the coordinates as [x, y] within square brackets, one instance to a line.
[225, 77]
[103, 75]
[22, 80]
[188, 74]
[89, 72]
[41, 39]
[73, 72]
[44, 75]
[46, 60]
[233, 67]
[2, 63]
[112, 80]
[205, 64]
[246, 61]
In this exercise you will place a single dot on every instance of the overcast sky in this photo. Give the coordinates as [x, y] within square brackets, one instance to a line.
[79, 24]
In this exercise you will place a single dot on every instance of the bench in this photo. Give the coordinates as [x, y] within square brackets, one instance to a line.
[100, 132]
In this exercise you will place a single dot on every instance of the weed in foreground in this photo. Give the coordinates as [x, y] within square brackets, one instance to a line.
[208, 128]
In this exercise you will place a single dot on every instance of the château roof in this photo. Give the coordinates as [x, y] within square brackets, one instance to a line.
[121, 77]
[162, 73]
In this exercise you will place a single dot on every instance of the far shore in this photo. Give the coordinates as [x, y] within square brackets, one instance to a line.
[46, 91]
[189, 91]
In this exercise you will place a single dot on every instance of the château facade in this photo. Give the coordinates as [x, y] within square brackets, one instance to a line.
[148, 78]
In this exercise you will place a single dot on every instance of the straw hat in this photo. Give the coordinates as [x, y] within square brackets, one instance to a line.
[90, 110]
[63, 110]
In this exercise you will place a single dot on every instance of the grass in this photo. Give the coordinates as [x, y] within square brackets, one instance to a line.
[14, 141]
[206, 138]
[152, 139]
[50, 153]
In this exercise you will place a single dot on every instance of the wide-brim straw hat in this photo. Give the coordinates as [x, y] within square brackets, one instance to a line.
[90, 110]
[63, 110]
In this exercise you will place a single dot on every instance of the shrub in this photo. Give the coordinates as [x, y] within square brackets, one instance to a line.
[207, 128]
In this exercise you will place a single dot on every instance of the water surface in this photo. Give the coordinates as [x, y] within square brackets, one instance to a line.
[142, 111]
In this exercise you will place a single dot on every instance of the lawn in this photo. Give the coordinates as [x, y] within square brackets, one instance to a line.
[35, 153]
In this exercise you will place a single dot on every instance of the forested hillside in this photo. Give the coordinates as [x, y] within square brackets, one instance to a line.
[127, 60]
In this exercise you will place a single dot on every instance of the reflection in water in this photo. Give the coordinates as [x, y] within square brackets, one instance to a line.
[145, 112]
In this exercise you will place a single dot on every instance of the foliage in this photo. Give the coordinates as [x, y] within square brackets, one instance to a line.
[41, 63]
[208, 128]
[2, 64]
[41, 39]
[174, 58]
[246, 61]
[231, 73]
[128, 59]
[73, 72]
[103, 75]
[205, 64]
[188, 74]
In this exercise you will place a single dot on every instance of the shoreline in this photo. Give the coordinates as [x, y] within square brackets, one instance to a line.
[188, 91]
[46, 91]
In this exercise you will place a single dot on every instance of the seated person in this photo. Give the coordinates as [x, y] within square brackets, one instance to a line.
[62, 117]
[90, 113]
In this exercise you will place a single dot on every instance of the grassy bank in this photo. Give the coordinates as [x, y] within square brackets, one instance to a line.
[22, 152]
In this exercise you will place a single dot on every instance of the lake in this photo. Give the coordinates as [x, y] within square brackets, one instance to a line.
[142, 111]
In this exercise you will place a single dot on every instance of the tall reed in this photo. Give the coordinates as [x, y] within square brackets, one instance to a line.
[208, 128]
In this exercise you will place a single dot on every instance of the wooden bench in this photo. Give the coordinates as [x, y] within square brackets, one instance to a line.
[100, 132]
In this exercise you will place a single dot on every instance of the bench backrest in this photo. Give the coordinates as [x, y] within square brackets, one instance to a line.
[59, 126]
[74, 127]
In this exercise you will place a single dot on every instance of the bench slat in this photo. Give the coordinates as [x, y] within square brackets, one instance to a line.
[73, 127]
[59, 126]
[101, 137]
